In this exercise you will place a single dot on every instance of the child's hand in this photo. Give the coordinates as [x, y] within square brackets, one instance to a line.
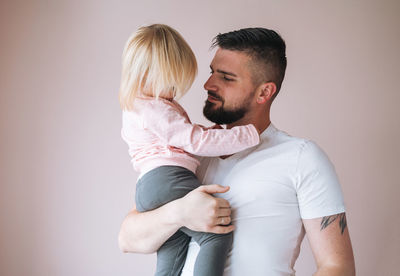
[216, 127]
[211, 127]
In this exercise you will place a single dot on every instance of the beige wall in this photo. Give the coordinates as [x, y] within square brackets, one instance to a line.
[66, 180]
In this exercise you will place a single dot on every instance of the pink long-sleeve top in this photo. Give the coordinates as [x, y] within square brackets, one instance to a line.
[159, 133]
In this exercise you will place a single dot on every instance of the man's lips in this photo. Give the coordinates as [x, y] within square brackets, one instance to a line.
[213, 98]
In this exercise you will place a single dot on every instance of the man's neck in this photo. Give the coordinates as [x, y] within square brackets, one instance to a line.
[260, 125]
[259, 117]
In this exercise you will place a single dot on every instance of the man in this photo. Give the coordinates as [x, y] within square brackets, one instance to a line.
[279, 190]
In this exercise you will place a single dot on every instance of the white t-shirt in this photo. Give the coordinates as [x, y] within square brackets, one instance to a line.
[273, 186]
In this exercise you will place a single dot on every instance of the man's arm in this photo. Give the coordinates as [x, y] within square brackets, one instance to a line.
[330, 243]
[198, 210]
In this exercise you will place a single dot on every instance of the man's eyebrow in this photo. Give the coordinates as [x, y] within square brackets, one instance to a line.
[224, 72]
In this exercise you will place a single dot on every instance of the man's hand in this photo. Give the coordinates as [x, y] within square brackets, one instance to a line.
[200, 211]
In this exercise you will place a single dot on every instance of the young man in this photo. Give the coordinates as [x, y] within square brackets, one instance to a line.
[279, 190]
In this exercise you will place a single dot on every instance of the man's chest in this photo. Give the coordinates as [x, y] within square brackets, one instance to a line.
[258, 186]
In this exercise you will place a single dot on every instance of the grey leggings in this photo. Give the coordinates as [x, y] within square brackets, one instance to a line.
[167, 183]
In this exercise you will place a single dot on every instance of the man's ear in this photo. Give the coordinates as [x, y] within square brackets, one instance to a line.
[265, 92]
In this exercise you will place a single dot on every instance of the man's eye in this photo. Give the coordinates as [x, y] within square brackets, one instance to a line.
[227, 79]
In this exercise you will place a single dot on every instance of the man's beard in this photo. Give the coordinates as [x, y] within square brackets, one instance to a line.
[223, 116]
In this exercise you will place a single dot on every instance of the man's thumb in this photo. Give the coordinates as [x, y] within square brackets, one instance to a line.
[213, 188]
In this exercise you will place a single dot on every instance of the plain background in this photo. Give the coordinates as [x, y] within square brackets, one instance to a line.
[66, 180]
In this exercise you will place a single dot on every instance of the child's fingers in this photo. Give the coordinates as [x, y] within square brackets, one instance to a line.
[217, 127]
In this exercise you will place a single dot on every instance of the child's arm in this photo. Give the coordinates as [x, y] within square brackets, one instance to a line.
[176, 130]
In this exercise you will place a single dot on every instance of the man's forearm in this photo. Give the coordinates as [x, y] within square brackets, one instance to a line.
[146, 232]
[198, 210]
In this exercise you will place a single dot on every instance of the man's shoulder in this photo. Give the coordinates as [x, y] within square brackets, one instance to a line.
[274, 137]
[303, 148]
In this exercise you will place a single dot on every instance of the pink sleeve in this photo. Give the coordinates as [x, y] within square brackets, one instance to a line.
[175, 129]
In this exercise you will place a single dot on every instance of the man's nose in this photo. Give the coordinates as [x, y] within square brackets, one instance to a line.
[209, 84]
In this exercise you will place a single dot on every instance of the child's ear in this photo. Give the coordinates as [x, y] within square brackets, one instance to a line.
[265, 92]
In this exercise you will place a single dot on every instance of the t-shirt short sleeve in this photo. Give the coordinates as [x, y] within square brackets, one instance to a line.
[318, 189]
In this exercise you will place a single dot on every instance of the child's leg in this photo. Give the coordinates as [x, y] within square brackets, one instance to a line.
[163, 185]
[214, 249]
[171, 255]
[156, 188]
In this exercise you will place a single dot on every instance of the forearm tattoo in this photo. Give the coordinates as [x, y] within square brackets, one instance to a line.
[326, 221]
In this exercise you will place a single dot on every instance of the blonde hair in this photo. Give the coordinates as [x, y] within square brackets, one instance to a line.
[156, 62]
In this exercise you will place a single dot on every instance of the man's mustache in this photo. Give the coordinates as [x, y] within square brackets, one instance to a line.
[212, 94]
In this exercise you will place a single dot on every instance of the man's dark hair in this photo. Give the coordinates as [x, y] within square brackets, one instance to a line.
[266, 49]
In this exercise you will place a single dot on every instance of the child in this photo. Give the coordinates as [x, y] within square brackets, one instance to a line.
[158, 66]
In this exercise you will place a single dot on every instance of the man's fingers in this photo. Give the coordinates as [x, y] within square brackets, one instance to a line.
[223, 220]
[223, 212]
[223, 203]
[213, 188]
[222, 229]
